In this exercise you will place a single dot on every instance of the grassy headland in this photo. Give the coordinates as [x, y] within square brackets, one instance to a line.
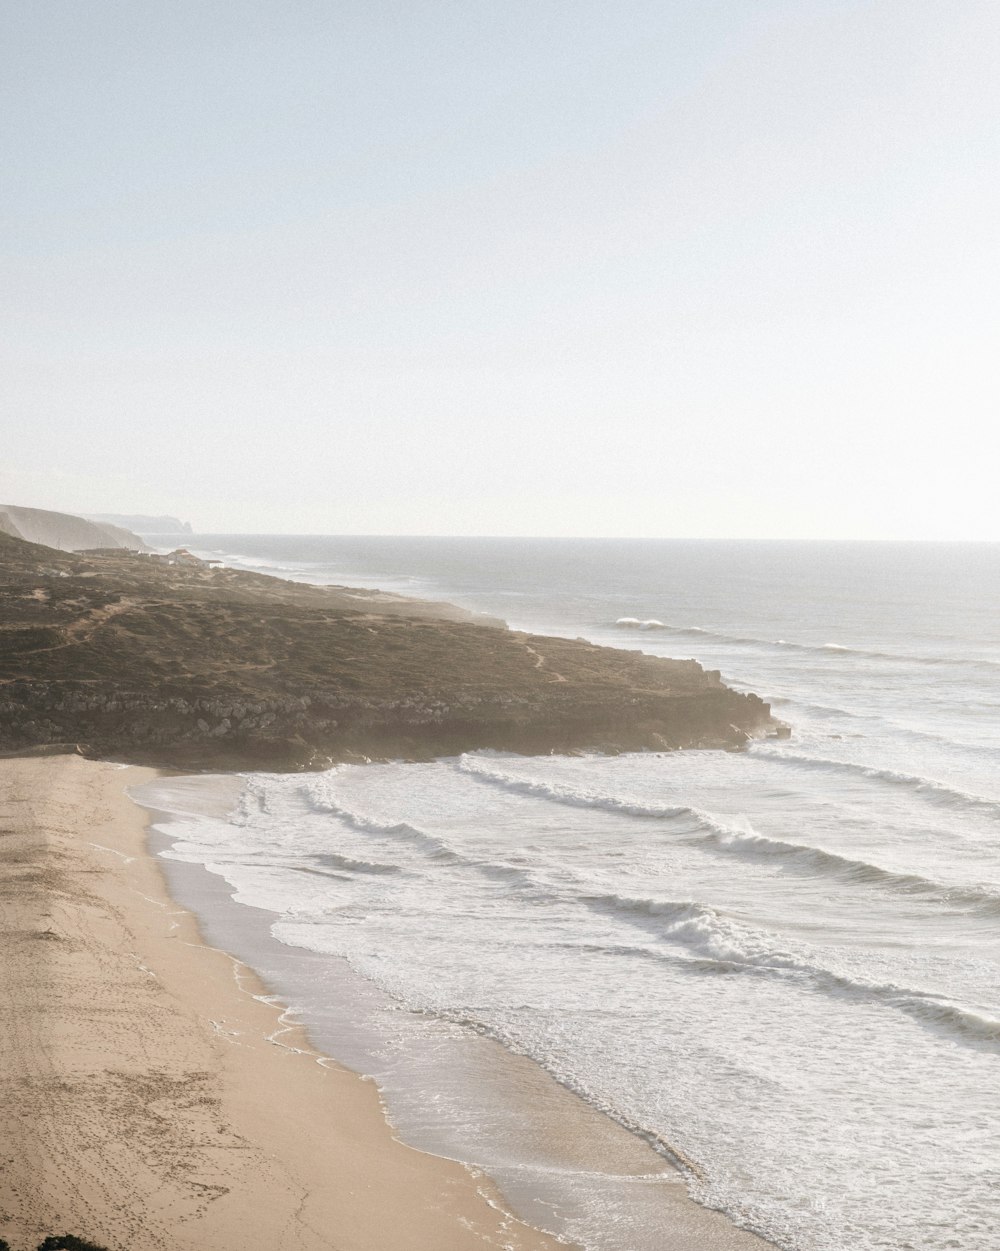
[209, 667]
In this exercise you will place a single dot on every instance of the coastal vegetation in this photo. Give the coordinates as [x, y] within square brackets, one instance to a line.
[68, 1242]
[62, 1242]
[130, 656]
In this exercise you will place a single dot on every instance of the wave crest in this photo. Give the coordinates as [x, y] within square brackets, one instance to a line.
[719, 945]
[928, 787]
[738, 837]
[319, 799]
[828, 650]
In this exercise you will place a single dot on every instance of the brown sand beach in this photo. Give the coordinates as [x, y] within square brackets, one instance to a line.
[150, 1100]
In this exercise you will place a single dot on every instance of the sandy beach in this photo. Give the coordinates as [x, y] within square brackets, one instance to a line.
[154, 1095]
[149, 1099]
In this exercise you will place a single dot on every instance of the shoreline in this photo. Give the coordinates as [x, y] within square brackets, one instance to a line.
[160, 1074]
[146, 1099]
[557, 1159]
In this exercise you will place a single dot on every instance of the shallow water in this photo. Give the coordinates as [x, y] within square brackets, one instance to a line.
[783, 963]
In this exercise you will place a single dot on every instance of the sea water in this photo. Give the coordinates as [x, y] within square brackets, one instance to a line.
[780, 965]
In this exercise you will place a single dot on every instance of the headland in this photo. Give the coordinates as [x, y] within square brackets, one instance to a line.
[139, 658]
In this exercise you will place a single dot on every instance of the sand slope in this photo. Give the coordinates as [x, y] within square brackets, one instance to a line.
[64, 531]
[147, 1100]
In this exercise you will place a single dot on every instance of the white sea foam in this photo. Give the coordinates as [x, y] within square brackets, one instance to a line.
[737, 837]
[321, 799]
[634, 623]
[480, 768]
[829, 649]
[782, 962]
[929, 788]
[725, 945]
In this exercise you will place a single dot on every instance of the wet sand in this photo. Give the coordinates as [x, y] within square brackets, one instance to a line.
[149, 1099]
[154, 1095]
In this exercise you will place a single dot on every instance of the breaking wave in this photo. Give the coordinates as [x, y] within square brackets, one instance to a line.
[818, 649]
[738, 838]
[320, 800]
[430, 845]
[477, 768]
[927, 787]
[334, 861]
[651, 623]
[719, 945]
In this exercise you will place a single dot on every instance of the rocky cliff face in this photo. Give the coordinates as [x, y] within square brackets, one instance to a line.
[323, 724]
[215, 669]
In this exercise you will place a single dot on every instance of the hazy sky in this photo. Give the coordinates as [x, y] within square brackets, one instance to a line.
[684, 267]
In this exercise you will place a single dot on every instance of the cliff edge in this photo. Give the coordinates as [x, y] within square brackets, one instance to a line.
[64, 531]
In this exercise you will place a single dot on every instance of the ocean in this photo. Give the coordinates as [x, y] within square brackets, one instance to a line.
[779, 968]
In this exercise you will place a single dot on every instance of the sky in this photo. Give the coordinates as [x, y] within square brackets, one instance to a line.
[692, 268]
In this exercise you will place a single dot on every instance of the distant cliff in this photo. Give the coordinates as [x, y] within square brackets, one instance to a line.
[64, 531]
[143, 524]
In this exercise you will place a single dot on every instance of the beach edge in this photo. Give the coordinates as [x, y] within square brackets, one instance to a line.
[154, 1091]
